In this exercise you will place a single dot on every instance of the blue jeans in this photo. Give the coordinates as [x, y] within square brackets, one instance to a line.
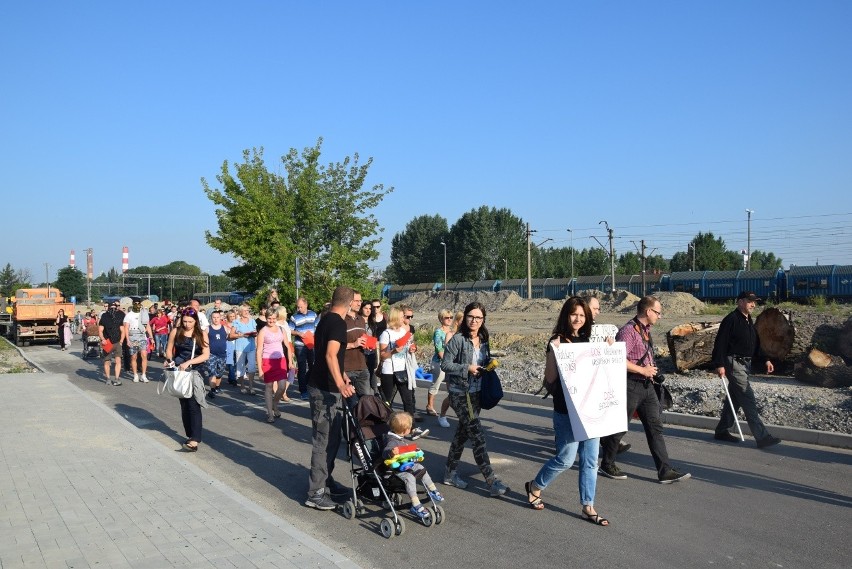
[566, 450]
[304, 363]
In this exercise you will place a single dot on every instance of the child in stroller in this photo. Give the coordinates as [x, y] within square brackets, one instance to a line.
[368, 428]
[91, 337]
[404, 460]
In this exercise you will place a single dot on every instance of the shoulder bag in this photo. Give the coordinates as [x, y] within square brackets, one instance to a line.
[179, 383]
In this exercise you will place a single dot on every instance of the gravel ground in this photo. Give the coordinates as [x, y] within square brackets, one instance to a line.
[520, 329]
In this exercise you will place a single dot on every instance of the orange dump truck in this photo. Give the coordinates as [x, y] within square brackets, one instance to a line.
[34, 312]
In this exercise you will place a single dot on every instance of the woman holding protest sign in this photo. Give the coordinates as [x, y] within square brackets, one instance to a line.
[574, 325]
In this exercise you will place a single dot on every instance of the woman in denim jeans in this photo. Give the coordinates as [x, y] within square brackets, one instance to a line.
[464, 356]
[574, 325]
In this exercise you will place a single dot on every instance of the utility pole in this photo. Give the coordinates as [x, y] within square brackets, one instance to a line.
[505, 269]
[529, 260]
[692, 246]
[643, 258]
[445, 264]
[47, 277]
[572, 260]
[611, 254]
[748, 249]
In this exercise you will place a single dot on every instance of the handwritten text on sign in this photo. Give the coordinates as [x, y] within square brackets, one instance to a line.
[594, 380]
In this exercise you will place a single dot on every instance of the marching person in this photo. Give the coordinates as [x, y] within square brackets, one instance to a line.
[188, 347]
[327, 387]
[736, 345]
[61, 321]
[641, 395]
[464, 356]
[111, 327]
[271, 363]
[573, 325]
[137, 331]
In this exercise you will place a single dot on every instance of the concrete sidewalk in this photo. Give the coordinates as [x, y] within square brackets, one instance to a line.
[81, 487]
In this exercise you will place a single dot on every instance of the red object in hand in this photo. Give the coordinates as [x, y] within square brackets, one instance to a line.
[369, 342]
[404, 340]
[308, 340]
[107, 346]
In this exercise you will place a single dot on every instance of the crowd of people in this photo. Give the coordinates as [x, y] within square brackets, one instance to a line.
[352, 349]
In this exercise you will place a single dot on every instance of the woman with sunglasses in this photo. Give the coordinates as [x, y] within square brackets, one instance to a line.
[439, 338]
[465, 355]
[394, 344]
[573, 325]
[187, 347]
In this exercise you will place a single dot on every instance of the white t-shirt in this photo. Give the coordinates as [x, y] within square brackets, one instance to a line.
[397, 361]
[136, 322]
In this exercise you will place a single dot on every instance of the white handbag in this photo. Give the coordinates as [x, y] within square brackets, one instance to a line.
[179, 383]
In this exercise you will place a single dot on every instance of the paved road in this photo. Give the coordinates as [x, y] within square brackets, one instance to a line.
[785, 507]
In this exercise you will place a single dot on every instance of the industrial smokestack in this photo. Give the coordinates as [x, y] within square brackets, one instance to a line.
[125, 263]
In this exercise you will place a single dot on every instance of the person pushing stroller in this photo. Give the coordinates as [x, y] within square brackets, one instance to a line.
[411, 470]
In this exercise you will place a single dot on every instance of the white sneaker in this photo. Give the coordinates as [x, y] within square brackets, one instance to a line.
[443, 422]
[135, 378]
[144, 378]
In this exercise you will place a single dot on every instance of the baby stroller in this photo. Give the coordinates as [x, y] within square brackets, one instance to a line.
[92, 343]
[365, 427]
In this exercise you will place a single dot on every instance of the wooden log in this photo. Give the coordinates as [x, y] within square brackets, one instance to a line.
[776, 333]
[691, 345]
[825, 370]
[844, 341]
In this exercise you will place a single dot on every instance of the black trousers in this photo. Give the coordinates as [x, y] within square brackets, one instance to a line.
[642, 399]
[389, 388]
[190, 413]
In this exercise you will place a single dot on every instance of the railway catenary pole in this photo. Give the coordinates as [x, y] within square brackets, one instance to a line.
[573, 288]
[529, 260]
[748, 248]
[445, 264]
[611, 254]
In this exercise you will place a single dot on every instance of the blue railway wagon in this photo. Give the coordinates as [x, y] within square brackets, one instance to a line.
[841, 282]
[625, 282]
[466, 285]
[557, 289]
[517, 285]
[594, 282]
[489, 286]
[401, 292]
[653, 283]
[805, 282]
[720, 285]
[538, 287]
[766, 283]
[687, 281]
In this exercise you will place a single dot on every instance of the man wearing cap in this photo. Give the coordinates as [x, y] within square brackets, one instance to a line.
[111, 327]
[736, 344]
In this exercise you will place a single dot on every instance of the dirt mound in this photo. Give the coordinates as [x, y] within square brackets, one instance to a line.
[456, 300]
[680, 304]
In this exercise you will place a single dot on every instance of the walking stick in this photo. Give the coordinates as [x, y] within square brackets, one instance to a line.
[733, 410]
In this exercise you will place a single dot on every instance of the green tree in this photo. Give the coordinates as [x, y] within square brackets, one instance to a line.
[589, 262]
[11, 280]
[480, 240]
[72, 282]
[320, 214]
[629, 264]
[761, 260]
[711, 254]
[416, 252]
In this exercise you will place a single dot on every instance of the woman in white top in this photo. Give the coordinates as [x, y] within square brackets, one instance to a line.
[393, 352]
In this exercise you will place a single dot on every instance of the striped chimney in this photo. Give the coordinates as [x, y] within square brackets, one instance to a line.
[125, 263]
[90, 265]
[72, 260]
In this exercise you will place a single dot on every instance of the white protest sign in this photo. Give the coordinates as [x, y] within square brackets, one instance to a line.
[600, 332]
[594, 380]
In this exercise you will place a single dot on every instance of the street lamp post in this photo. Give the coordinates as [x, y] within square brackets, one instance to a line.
[748, 248]
[445, 264]
[572, 260]
[692, 246]
[505, 270]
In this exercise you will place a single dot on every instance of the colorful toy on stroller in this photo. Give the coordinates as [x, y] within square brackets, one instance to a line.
[375, 479]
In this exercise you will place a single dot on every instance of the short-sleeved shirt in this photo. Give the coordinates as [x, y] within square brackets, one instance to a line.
[636, 342]
[112, 322]
[331, 328]
[356, 327]
[302, 323]
[244, 344]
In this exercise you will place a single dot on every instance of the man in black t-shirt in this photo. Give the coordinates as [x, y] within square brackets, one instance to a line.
[111, 327]
[326, 387]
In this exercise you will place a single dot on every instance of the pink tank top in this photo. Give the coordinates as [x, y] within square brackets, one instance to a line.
[272, 347]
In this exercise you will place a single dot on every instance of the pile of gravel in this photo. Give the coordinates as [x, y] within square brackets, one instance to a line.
[781, 400]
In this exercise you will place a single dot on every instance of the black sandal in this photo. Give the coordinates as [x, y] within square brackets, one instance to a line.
[595, 518]
[533, 500]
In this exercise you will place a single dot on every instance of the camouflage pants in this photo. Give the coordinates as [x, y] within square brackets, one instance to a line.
[469, 428]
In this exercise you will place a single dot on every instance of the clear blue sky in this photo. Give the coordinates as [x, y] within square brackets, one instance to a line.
[662, 118]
